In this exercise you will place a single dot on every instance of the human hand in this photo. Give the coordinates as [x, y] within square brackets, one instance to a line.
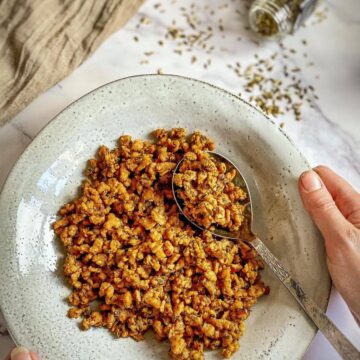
[21, 353]
[334, 205]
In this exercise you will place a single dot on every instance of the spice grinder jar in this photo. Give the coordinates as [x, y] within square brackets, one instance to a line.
[277, 18]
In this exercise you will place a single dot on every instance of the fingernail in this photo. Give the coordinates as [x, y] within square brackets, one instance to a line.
[20, 353]
[310, 181]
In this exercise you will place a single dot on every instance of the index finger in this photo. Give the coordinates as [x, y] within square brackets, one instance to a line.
[345, 196]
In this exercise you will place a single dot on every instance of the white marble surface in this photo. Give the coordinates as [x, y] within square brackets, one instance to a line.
[329, 133]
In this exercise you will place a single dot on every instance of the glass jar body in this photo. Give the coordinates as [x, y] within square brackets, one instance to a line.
[277, 18]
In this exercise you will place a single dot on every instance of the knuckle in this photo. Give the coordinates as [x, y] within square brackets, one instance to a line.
[321, 203]
[354, 217]
[352, 235]
[352, 210]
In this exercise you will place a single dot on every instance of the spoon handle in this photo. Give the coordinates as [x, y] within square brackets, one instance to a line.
[341, 344]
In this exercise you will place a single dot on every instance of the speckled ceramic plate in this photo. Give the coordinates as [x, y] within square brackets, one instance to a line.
[32, 289]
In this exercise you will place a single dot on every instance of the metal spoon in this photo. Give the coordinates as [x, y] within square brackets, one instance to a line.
[341, 344]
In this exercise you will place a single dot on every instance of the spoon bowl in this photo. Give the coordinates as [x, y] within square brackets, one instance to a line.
[245, 233]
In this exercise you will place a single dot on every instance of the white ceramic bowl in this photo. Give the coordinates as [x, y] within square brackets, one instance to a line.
[32, 289]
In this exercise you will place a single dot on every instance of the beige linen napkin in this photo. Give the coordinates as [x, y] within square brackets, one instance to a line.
[42, 41]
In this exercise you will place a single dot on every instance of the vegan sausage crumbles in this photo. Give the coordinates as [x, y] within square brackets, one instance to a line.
[130, 252]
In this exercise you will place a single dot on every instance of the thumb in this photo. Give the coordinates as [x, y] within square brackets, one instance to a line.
[321, 205]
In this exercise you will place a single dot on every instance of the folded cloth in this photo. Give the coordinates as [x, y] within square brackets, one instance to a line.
[42, 41]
